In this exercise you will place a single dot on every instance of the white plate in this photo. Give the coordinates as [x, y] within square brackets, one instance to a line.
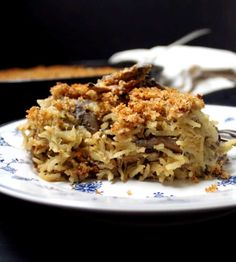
[18, 179]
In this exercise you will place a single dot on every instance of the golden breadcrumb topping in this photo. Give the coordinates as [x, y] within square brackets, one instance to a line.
[151, 104]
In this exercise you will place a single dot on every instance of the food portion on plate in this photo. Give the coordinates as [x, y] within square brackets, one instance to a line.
[54, 72]
[126, 126]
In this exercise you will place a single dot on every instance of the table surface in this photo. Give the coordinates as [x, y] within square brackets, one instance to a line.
[35, 232]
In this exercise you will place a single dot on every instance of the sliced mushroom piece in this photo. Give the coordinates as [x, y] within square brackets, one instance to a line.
[99, 89]
[168, 141]
[136, 72]
[87, 119]
[131, 159]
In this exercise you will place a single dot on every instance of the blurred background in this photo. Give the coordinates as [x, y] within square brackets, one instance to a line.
[67, 31]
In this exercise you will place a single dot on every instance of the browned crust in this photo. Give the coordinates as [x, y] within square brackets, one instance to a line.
[152, 104]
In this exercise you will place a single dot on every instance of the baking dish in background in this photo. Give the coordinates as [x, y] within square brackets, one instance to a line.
[18, 95]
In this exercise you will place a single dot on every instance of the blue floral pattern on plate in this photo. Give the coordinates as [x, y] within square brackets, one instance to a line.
[88, 187]
[3, 142]
[227, 182]
[6, 165]
[229, 119]
[161, 195]
[17, 177]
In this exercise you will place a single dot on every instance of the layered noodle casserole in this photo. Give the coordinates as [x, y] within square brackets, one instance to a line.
[125, 126]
